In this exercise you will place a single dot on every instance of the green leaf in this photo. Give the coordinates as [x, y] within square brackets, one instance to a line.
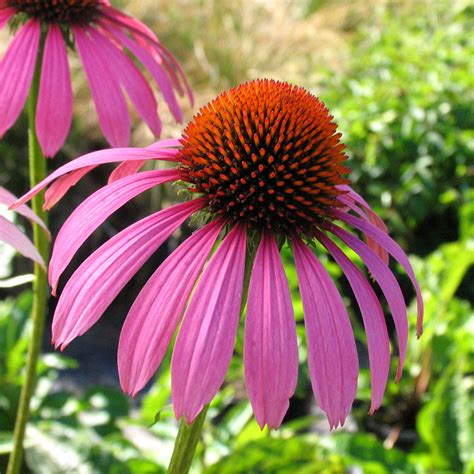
[445, 423]
[367, 451]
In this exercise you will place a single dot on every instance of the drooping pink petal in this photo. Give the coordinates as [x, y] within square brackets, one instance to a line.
[54, 109]
[100, 278]
[91, 160]
[131, 79]
[205, 341]
[154, 68]
[387, 282]
[384, 240]
[105, 88]
[62, 185]
[93, 211]
[352, 200]
[270, 346]
[125, 169]
[356, 197]
[16, 72]
[147, 39]
[11, 235]
[155, 314]
[5, 15]
[172, 66]
[130, 167]
[374, 322]
[332, 354]
[7, 198]
[128, 22]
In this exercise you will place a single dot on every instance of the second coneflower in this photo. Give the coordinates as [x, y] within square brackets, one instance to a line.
[105, 39]
[267, 167]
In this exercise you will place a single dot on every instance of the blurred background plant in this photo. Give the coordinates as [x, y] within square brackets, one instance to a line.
[398, 78]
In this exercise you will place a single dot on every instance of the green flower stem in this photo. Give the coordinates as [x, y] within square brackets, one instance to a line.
[185, 444]
[37, 164]
[189, 435]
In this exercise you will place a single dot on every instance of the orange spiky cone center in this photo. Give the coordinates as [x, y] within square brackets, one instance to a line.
[265, 153]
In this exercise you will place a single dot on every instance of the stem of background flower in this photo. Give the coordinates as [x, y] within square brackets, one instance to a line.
[37, 165]
[188, 435]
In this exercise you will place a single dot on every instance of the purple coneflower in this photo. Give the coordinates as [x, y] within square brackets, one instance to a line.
[105, 38]
[266, 166]
[12, 235]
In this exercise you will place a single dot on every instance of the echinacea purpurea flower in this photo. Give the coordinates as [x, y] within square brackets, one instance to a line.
[266, 165]
[106, 40]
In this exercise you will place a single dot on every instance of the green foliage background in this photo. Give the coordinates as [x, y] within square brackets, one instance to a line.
[398, 77]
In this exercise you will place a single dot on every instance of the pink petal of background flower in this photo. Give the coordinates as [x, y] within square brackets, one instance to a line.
[106, 91]
[132, 80]
[16, 72]
[54, 109]
[11, 235]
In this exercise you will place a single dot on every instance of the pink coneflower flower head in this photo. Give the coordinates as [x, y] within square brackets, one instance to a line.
[11, 234]
[266, 167]
[106, 40]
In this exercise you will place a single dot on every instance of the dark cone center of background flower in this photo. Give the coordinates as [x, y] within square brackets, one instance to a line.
[59, 11]
[266, 153]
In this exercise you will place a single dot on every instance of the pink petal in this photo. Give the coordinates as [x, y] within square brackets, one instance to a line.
[148, 39]
[93, 159]
[62, 185]
[129, 22]
[93, 211]
[153, 66]
[205, 341]
[366, 213]
[132, 80]
[355, 197]
[16, 71]
[105, 88]
[374, 322]
[173, 67]
[270, 349]
[332, 354]
[5, 15]
[54, 110]
[14, 237]
[385, 241]
[100, 278]
[125, 169]
[7, 198]
[128, 168]
[387, 282]
[155, 314]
